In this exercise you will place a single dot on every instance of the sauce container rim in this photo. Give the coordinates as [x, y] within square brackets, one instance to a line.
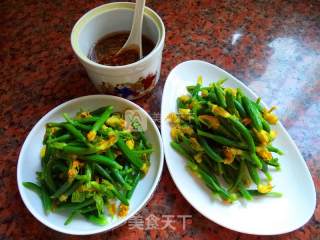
[87, 17]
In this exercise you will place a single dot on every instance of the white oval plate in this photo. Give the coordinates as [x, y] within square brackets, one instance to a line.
[263, 215]
[29, 163]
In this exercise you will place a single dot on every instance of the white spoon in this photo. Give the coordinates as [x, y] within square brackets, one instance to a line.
[134, 40]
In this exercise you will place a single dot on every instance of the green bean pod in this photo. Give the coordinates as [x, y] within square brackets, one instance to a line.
[230, 103]
[75, 206]
[103, 172]
[211, 184]
[99, 220]
[61, 138]
[116, 174]
[74, 187]
[274, 162]
[134, 185]
[265, 124]
[220, 96]
[120, 196]
[274, 149]
[88, 209]
[212, 96]
[98, 111]
[41, 192]
[253, 173]
[176, 146]
[131, 155]
[244, 192]
[240, 175]
[254, 115]
[269, 194]
[70, 217]
[101, 160]
[75, 132]
[240, 109]
[68, 148]
[266, 171]
[105, 115]
[239, 94]
[32, 186]
[247, 136]
[92, 119]
[91, 135]
[47, 172]
[209, 151]
[257, 106]
[76, 123]
[64, 187]
[222, 140]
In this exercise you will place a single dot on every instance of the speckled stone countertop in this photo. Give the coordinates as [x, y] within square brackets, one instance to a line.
[272, 46]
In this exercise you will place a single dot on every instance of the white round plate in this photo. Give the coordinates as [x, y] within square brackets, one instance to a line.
[263, 215]
[29, 164]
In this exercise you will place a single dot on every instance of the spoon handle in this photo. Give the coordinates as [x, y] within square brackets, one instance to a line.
[136, 30]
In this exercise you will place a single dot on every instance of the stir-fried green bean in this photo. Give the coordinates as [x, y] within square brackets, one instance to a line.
[222, 133]
[91, 161]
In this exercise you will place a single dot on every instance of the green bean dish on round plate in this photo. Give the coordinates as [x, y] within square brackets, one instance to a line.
[91, 162]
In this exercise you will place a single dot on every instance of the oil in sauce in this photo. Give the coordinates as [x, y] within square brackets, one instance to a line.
[106, 49]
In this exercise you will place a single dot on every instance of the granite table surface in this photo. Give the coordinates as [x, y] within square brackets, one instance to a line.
[272, 46]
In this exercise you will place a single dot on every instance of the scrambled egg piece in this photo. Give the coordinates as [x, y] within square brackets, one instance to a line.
[115, 121]
[74, 169]
[91, 135]
[179, 131]
[106, 144]
[233, 91]
[112, 208]
[145, 168]
[211, 120]
[246, 121]
[43, 151]
[204, 93]
[272, 134]
[198, 157]
[76, 164]
[63, 198]
[184, 98]
[72, 173]
[220, 111]
[123, 210]
[84, 115]
[173, 118]
[263, 136]
[176, 132]
[185, 113]
[269, 116]
[264, 188]
[187, 130]
[53, 130]
[130, 144]
[230, 154]
[195, 144]
[264, 153]
[247, 182]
